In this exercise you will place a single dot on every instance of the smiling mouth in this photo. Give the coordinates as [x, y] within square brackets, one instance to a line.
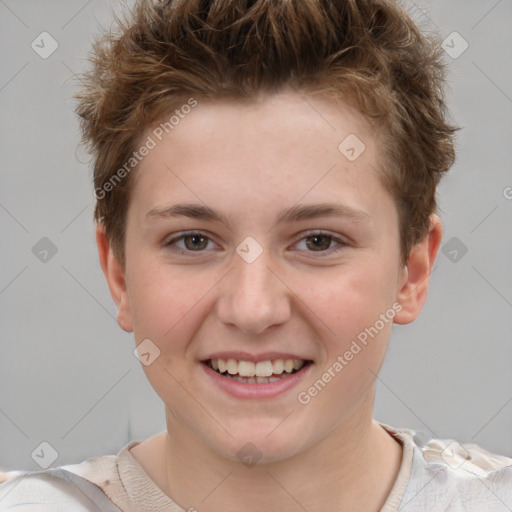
[262, 372]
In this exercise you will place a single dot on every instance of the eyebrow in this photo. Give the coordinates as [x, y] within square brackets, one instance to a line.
[289, 215]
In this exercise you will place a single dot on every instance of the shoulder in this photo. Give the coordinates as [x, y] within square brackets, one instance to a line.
[451, 475]
[65, 488]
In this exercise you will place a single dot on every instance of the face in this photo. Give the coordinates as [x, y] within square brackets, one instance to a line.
[253, 236]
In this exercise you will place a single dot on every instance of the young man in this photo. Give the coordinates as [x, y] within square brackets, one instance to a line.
[266, 175]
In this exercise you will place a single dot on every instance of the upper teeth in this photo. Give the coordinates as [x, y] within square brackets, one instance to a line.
[259, 369]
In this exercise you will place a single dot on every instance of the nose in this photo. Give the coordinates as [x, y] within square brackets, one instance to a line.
[253, 296]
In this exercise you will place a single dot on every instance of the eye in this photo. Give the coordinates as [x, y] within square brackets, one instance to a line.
[320, 241]
[192, 242]
[195, 241]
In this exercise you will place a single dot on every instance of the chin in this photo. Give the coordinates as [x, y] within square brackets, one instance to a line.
[252, 445]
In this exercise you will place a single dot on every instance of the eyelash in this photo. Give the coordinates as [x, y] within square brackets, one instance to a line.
[342, 243]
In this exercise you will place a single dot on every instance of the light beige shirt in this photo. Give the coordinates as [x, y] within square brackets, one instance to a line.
[435, 476]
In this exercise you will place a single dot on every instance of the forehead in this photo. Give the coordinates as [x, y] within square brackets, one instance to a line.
[275, 150]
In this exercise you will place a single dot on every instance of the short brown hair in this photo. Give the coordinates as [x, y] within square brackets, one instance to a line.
[368, 52]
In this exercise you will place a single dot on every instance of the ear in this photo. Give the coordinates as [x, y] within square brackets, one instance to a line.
[114, 274]
[416, 274]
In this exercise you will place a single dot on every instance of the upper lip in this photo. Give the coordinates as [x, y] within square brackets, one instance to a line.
[255, 358]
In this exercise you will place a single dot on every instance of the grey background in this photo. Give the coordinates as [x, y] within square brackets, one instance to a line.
[68, 375]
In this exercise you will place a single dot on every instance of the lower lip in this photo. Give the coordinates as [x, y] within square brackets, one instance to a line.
[255, 391]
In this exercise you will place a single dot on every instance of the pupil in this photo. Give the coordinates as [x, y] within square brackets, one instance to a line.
[195, 238]
[321, 237]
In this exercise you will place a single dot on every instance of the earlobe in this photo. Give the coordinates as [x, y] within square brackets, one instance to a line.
[415, 277]
[115, 276]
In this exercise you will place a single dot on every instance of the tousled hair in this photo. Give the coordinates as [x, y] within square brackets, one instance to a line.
[367, 52]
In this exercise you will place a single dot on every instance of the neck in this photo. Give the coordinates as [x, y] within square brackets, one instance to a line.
[338, 471]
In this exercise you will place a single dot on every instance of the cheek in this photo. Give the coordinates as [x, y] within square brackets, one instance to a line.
[165, 306]
[160, 299]
[355, 340]
[350, 298]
